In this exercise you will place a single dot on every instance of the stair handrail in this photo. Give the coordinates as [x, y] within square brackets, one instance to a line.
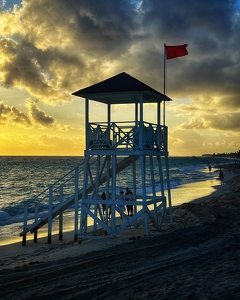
[25, 227]
[33, 200]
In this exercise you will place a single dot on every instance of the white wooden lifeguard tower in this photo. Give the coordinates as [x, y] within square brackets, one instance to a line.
[112, 147]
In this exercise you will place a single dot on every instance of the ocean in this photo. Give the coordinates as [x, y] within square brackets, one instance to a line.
[22, 178]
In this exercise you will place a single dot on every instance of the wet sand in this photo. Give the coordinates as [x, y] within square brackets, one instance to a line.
[196, 257]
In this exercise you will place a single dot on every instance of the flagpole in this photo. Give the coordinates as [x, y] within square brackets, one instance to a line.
[164, 82]
[175, 51]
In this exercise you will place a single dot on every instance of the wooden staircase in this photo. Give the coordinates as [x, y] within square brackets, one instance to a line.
[69, 201]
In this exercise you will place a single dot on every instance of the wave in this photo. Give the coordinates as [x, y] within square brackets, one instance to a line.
[24, 178]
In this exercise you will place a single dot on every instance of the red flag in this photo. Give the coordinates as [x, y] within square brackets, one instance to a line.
[176, 51]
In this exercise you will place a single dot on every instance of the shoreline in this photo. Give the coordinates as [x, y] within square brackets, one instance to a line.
[185, 192]
[205, 190]
[196, 257]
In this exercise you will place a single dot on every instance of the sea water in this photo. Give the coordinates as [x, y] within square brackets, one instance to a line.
[22, 178]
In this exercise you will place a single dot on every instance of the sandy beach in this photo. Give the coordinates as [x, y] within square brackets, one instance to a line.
[196, 257]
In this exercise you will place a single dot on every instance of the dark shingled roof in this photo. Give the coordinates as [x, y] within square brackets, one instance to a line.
[121, 88]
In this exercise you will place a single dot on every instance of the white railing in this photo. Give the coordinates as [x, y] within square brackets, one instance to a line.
[56, 194]
[127, 135]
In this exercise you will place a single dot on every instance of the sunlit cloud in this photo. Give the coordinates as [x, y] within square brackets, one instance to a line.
[11, 115]
[50, 49]
[34, 118]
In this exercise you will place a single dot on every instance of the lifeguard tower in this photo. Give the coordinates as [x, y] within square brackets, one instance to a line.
[114, 147]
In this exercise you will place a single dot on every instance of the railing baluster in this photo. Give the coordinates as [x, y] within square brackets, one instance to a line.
[50, 214]
[36, 218]
[25, 226]
[76, 206]
[61, 215]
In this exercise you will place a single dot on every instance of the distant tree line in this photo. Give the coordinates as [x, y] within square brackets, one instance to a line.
[232, 154]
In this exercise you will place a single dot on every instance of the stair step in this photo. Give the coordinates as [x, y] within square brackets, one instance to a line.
[123, 164]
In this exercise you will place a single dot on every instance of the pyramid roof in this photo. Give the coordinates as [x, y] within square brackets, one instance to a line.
[121, 89]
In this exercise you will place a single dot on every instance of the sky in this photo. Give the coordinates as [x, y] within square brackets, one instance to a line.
[50, 49]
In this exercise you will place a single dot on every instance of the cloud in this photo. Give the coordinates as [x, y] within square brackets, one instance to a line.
[2, 3]
[230, 103]
[224, 121]
[176, 17]
[37, 71]
[199, 143]
[182, 146]
[34, 117]
[194, 124]
[52, 48]
[206, 112]
[39, 117]
[11, 115]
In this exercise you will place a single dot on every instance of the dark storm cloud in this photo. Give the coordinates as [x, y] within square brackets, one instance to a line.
[61, 46]
[211, 30]
[211, 75]
[61, 43]
[184, 17]
[35, 69]
[105, 27]
[112, 24]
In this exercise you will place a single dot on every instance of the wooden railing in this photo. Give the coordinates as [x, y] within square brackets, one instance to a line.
[42, 205]
[127, 135]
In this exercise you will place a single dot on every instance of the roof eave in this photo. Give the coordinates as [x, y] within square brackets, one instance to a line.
[124, 97]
